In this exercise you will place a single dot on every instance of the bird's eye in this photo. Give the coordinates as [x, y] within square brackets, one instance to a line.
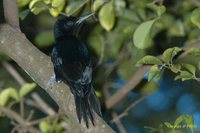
[69, 23]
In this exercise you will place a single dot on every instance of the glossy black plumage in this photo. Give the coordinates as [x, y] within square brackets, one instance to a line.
[72, 65]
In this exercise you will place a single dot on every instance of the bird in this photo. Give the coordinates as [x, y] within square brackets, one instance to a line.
[73, 66]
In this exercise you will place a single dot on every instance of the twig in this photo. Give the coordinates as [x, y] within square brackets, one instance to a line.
[22, 107]
[30, 116]
[128, 87]
[125, 112]
[13, 72]
[32, 103]
[35, 122]
[118, 123]
[54, 124]
[135, 80]
[42, 104]
[13, 115]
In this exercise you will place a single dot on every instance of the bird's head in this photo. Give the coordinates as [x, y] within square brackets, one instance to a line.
[69, 25]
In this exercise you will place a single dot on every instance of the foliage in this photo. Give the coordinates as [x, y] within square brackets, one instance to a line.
[123, 32]
[182, 122]
[10, 92]
[183, 70]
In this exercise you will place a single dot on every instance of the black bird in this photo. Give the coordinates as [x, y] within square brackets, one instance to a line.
[72, 65]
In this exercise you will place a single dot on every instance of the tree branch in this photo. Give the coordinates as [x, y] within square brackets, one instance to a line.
[39, 67]
[11, 12]
[135, 80]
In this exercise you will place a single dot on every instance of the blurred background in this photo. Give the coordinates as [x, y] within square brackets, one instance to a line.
[115, 47]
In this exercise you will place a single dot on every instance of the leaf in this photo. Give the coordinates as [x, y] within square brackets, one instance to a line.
[168, 125]
[22, 3]
[58, 128]
[27, 88]
[170, 53]
[184, 75]
[188, 119]
[190, 68]
[37, 6]
[57, 7]
[195, 17]
[45, 127]
[47, 1]
[159, 9]
[149, 60]
[6, 94]
[193, 51]
[107, 16]
[42, 41]
[176, 68]
[97, 4]
[75, 6]
[154, 71]
[141, 36]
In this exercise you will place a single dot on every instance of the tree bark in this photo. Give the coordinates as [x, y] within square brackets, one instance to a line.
[39, 67]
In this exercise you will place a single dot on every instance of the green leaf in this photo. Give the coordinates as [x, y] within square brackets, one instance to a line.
[6, 94]
[45, 127]
[168, 125]
[188, 119]
[195, 17]
[176, 68]
[190, 68]
[22, 3]
[170, 53]
[75, 6]
[97, 4]
[107, 16]
[193, 51]
[154, 71]
[42, 41]
[57, 7]
[37, 6]
[27, 88]
[159, 9]
[47, 1]
[184, 75]
[149, 60]
[58, 128]
[141, 36]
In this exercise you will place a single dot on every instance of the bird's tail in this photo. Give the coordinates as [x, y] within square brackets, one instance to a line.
[85, 106]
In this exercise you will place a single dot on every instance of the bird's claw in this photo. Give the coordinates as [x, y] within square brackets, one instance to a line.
[51, 82]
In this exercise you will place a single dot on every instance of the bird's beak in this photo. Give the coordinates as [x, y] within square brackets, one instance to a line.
[80, 22]
[82, 19]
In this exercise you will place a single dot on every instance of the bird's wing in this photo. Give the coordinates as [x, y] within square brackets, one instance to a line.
[76, 64]
[77, 72]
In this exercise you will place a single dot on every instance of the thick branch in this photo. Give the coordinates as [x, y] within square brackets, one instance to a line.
[11, 12]
[14, 44]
